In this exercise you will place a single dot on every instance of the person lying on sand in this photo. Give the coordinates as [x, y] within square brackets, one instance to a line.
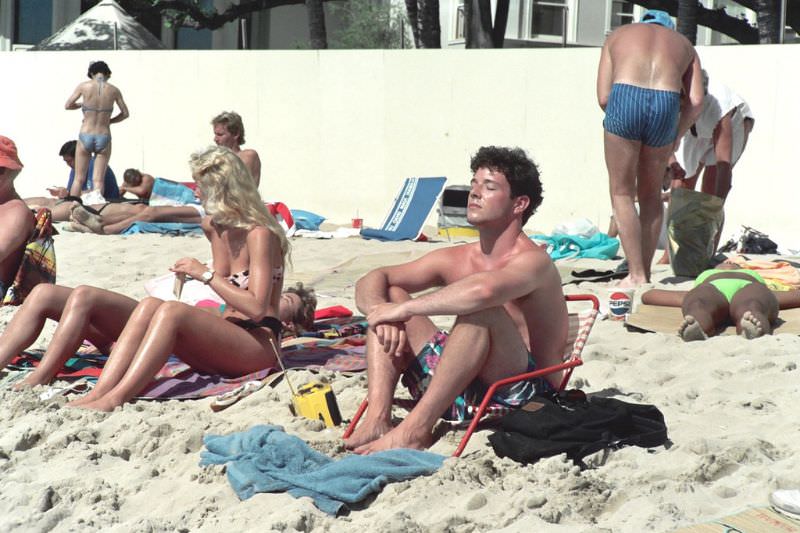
[726, 294]
[160, 200]
[248, 248]
[505, 291]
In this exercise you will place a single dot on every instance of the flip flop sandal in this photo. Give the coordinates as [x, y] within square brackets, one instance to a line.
[78, 387]
[223, 401]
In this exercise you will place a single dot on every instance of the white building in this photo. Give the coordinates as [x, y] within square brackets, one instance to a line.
[543, 23]
[531, 23]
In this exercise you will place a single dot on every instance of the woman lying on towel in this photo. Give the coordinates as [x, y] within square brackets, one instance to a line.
[248, 249]
[723, 295]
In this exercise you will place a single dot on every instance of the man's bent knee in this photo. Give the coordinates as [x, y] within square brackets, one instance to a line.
[484, 317]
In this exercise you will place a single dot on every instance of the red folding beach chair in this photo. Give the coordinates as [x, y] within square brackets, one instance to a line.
[580, 325]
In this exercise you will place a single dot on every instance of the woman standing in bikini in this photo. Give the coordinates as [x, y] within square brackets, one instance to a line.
[96, 99]
[248, 248]
[726, 294]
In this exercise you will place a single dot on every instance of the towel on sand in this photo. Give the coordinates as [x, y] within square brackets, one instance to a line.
[779, 275]
[265, 459]
[561, 246]
[167, 228]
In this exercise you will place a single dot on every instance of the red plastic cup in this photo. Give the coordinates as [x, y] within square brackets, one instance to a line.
[358, 222]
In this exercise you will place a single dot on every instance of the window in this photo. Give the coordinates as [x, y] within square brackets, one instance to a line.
[33, 20]
[459, 30]
[621, 13]
[547, 17]
[188, 38]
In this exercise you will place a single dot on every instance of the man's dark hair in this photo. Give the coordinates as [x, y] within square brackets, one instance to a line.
[98, 66]
[520, 172]
[68, 149]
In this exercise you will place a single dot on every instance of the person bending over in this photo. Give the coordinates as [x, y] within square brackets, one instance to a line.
[643, 70]
[505, 292]
[723, 295]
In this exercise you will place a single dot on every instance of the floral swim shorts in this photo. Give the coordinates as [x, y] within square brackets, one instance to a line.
[417, 378]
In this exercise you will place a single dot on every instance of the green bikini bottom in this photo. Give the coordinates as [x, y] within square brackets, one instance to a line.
[729, 286]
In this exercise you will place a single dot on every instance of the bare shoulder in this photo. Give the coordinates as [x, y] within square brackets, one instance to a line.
[208, 227]
[248, 154]
[260, 233]
[533, 256]
[16, 214]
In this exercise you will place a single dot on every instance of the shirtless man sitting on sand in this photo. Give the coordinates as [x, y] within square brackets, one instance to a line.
[643, 70]
[505, 293]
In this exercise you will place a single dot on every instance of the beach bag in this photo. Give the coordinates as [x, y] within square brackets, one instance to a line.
[755, 242]
[693, 221]
[571, 423]
[38, 263]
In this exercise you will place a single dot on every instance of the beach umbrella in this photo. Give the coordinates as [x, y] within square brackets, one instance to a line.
[104, 27]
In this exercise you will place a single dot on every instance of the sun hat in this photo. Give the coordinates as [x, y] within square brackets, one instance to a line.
[656, 16]
[8, 154]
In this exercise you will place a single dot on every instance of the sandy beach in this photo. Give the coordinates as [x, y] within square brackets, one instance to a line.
[728, 403]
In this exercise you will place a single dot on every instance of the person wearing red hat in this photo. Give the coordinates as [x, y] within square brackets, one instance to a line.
[16, 220]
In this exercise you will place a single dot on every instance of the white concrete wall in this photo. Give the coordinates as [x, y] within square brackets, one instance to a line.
[339, 130]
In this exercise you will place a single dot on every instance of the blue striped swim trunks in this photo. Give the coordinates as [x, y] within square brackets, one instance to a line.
[646, 115]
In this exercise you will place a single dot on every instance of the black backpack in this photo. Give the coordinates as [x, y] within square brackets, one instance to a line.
[572, 424]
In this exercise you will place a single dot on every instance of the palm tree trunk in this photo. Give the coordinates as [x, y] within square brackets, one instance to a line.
[768, 21]
[687, 19]
[316, 24]
[430, 30]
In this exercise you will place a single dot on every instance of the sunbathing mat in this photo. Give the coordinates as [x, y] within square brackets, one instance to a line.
[80, 366]
[177, 381]
[660, 319]
[755, 520]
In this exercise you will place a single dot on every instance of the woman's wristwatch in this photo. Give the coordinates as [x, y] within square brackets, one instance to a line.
[207, 276]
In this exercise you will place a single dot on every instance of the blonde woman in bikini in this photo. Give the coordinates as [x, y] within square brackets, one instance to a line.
[95, 98]
[248, 249]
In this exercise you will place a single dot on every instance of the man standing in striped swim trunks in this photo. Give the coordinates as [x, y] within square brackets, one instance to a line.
[645, 71]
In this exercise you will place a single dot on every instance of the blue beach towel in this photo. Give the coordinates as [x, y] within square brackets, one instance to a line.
[167, 228]
[561, 246]
[411, 207]
[168, 192]
[265, 459]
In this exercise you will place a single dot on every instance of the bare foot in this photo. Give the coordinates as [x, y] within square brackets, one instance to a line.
[21, 386]
[691, 330]
[628, 283]
[79, 228]
[31, 380]
[367, 432]
[750, 326]
[101, 404]
[664, 259]
[90, 397]
[397, 438]
[90, 220]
